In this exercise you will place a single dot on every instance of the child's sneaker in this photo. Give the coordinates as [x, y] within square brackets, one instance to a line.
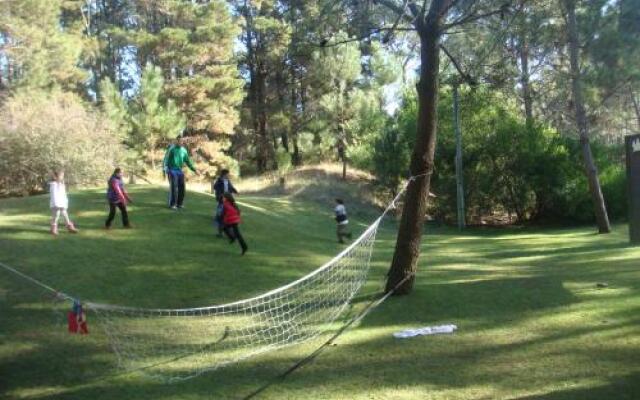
[54, 229]
[72, 228]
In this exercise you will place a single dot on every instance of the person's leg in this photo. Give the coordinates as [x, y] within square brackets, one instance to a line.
[180, 189]
[124, 214]
[340, 233]
[238, 235]
[65, 215]
[112, 214]
[172, 188]
[219, 219]
[229, 232]
[70, 226]
[347, 231]
[55, 215]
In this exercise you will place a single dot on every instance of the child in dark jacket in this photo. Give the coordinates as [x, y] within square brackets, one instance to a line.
[231, 220]
[117, 197]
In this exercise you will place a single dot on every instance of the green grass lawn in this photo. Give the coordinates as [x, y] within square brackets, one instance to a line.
[532, 323]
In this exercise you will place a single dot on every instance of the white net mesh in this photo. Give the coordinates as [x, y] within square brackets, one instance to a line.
[182, 343]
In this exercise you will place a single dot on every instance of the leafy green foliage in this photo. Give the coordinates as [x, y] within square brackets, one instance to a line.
[41, 132]
[528, 171]
[43, 54]
[391, 157]
[153, 117]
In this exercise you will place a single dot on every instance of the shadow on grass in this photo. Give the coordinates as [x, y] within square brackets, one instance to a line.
[619, 388]
[490, 301]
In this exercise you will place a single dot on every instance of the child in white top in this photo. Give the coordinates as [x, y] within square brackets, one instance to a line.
[59, 203]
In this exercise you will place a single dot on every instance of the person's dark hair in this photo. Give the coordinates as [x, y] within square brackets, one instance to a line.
[231, 200]
[339, 201]
[117, 171]
[224, 172]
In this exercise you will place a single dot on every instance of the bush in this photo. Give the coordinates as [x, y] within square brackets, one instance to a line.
[613, 179]
[391, 158]
[41, 132]
[530, 172]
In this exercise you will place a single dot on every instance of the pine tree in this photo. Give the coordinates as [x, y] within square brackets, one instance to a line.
[40, 53]
[153, 116]
[265, 38]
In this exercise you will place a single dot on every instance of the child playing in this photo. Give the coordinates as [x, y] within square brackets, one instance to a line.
[220, 187]
[231, 219]
[59, 203]
[342, 221]
[117, 197]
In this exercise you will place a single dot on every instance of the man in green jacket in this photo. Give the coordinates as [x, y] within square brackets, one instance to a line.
[174, 159]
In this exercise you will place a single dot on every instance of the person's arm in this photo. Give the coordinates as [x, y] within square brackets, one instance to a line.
[118, 191]
[232, 189]
[165, 160]
[126, 195]
[188, 160]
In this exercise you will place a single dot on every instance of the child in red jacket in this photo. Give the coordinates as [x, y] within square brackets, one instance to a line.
[231, 220]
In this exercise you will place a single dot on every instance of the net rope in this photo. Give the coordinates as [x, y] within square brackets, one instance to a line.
[178, 344]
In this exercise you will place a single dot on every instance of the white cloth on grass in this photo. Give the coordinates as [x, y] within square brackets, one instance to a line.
[427, 330]
[58, 195]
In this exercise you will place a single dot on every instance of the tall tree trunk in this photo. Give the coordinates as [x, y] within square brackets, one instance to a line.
[523, 50]
[636, 107]
[405, 258]
[591, 171]
[296, 158]
[262, 156]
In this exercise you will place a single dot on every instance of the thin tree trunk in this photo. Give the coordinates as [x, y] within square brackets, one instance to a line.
[344, 168]
[523, 51]
[636, 107]
[591, 171]
[401, 275]
[261, 128]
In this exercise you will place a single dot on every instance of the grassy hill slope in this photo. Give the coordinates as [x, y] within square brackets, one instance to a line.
[532, 323]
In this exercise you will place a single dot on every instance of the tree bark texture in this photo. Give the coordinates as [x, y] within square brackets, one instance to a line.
[591, 171]
[401, 275]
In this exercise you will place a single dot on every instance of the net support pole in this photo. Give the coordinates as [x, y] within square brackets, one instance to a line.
[459, 175]
[632, 145]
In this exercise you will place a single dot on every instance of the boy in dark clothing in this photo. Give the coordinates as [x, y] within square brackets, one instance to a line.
[220, 187]
[117, 197]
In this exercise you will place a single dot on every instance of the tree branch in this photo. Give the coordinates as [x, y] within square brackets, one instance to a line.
[373, 31]
[400, 11]
[474, 17]
[465, 76]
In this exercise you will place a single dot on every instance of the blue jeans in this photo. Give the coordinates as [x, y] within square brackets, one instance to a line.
[176, 187]
[218, 218]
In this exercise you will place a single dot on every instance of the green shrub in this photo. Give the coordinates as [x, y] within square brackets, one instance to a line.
[531, 172]
[41, 132]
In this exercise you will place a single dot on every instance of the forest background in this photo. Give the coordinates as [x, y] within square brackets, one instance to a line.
[262, 86]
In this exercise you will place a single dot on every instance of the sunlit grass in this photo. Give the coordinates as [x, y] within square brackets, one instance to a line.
[532, 322]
